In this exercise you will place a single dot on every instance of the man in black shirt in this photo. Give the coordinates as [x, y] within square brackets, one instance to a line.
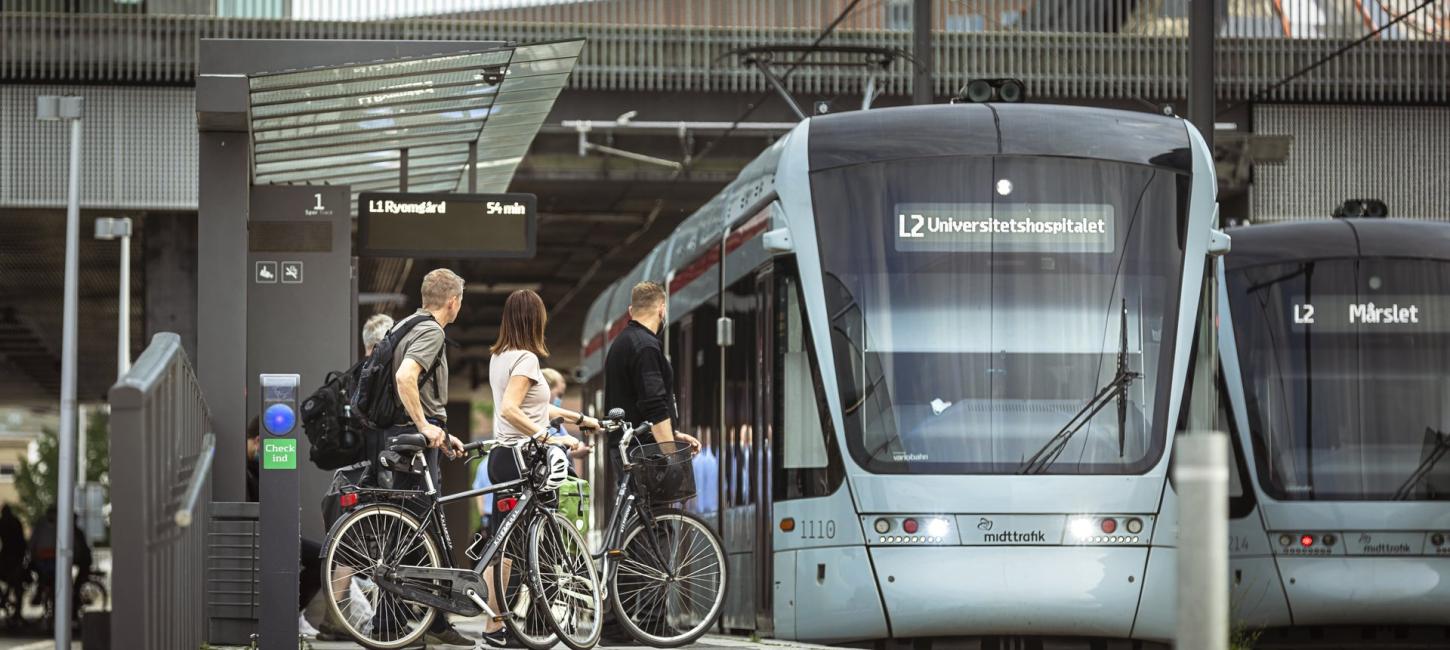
[637, 376]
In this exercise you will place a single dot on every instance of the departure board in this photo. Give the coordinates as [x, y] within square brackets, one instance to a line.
[447, 226]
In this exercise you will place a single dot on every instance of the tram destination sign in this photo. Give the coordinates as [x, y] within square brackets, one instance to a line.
[443, 225]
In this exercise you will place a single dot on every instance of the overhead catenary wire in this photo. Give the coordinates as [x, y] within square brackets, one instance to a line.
[1264, 92]
[690, 164]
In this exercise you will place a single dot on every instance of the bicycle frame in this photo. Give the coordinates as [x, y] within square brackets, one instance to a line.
[467, 591]
[625, 502]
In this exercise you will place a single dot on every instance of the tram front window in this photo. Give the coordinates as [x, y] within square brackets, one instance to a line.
[977, 305]
[1344, 368]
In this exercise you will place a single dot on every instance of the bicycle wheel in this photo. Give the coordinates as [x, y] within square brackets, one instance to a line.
[367, 543]
[93, 594]
[669, 586]
[515, 595]
[565, 581]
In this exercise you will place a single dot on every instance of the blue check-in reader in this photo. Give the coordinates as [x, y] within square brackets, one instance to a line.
[279, 419]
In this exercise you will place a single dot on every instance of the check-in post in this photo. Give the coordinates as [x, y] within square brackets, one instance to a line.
[280, 522]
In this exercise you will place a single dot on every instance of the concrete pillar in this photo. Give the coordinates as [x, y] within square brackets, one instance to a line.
[169, 256]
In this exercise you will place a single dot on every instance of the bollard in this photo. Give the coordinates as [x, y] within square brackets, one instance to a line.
[1201, 477]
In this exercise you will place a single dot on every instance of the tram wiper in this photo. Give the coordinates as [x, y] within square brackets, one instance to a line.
[1116, 388]
[1437, 452]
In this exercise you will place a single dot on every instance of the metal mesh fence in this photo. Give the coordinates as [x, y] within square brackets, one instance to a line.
[1062, 48]
[1354, 152]
[138, 148]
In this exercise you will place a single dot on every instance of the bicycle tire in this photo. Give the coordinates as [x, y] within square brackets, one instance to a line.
[514, 594]
[704, 549]
[97, 591]
[376, 522]
[563, 574]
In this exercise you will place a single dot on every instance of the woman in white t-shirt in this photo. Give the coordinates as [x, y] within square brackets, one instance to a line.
[521, 396]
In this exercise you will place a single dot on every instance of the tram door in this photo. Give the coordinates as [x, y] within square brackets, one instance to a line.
[745, 475]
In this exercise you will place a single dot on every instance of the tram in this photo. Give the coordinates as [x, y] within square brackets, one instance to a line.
[1335, 349]
[936, 356]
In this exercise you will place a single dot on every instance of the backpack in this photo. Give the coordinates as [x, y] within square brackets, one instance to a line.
[574, 502]
[334, 433]
[375, 400]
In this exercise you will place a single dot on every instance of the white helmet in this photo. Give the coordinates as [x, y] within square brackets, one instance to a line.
[557, 463]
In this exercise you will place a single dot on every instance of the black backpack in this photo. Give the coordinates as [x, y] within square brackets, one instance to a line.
[334, 433]
[375, 400]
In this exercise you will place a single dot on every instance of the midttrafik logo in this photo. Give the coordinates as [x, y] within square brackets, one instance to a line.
[1031, 537]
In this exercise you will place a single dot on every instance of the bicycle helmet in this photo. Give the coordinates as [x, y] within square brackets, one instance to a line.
[556, 461]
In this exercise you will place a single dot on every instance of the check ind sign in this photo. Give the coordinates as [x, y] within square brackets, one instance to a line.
[279, 453]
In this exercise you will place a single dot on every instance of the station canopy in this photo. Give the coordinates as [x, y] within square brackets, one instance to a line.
[348, 125]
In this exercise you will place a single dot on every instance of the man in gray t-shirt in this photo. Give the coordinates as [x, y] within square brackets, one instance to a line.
[424, 346]
[425, 404]
[419, 350]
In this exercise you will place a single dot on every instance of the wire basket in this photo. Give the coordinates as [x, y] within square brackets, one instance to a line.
[663, 472]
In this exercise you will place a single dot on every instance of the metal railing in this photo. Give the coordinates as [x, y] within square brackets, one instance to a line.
[1062, 48]
[161, 450]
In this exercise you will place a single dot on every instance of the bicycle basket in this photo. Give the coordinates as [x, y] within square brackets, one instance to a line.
[663, 471]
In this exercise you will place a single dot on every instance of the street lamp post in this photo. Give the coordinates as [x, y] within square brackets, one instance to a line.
[109, 228]
[53, 108]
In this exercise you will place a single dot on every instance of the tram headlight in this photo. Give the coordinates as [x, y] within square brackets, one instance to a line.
[937, 528]
[1135, 525]
[1437, 539]
[883, 525]
[1081, 528]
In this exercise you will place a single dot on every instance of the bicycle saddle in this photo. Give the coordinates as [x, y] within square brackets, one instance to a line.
[408, 443]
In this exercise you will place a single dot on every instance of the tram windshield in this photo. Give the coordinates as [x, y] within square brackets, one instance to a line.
[978, 306]
[1344, 364]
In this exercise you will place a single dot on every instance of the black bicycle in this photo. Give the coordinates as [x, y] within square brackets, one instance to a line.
[387, 562]
[664, 567]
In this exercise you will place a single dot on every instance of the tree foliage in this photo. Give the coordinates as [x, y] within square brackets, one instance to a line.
[35, 480]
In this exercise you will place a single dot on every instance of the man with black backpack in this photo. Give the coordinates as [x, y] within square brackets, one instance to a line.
[402, 387]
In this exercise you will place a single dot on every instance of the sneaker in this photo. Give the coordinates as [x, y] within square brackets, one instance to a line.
[448, 635]
[304, 628]
[330, 631]
[500, 638]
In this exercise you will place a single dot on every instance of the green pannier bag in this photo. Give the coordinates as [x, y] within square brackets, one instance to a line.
[574, 502]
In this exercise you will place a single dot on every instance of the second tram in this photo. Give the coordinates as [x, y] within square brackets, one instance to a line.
[936, 356]
[1335, 344]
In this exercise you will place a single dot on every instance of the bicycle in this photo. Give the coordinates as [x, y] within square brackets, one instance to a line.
[659, 558]
[93, 593]
[387, 563]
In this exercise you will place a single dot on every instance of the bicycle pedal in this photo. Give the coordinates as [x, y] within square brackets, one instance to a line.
[614, 552]
[499, 618]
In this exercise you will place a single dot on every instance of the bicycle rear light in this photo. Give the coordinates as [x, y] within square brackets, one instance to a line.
[506, 504]
[347, 500]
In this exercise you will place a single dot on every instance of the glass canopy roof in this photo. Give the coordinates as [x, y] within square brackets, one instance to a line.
[348, 125]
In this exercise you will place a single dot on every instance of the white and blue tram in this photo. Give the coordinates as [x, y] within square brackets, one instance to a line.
[936, 356]
[1335, 347]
